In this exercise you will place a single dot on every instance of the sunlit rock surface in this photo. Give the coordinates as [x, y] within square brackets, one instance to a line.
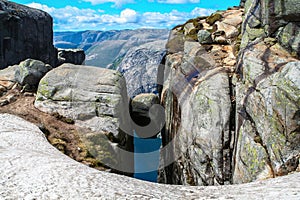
[33, 169]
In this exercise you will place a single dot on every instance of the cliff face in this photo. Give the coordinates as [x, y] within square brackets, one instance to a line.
[231, 96]
[25, 33]
[197, 96]
[267, 91]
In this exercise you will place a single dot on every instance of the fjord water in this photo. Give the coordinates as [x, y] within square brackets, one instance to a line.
[146, 158]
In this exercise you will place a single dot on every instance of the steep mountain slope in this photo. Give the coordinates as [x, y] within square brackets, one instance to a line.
[106, 48]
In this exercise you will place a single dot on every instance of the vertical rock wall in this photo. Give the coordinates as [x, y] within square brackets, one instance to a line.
[267, 91]
[25, 33]
[232, 101]
[197, 97]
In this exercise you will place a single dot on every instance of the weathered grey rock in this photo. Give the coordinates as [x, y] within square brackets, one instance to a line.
[281, 21]
[147, 114]
[25, 33]
[175, 42]
[74, 56]
[267, 126]
[95, 98]
[8, 78]
[143, 102]
[30, 72]
[201, 154]
[229, 30]
[213, 18]
[203, 149]
[288, 10]
[188, 28]
[140, 66]
[289, 37]
[204, 37]
[32, 169]
[196, 96]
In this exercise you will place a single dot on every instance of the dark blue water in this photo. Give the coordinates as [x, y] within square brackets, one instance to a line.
[146, 158]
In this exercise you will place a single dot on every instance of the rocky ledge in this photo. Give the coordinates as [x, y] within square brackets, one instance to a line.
[33, 169]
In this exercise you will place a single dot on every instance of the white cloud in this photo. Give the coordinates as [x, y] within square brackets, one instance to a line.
[41, 7]
[117, 3]
[201, 12]
[128, 16]
[73, 18]
[177, 1]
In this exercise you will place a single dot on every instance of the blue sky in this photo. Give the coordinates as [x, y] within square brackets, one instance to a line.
[124, 14]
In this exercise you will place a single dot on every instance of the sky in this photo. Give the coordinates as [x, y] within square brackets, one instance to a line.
[75, 15]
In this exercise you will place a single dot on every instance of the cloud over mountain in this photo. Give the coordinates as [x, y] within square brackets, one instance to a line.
[73, 18]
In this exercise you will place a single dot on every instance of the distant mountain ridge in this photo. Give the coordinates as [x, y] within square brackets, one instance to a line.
[108, 48]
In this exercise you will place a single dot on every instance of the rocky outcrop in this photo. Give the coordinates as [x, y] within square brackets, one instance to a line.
[27, 74]
[198, 103]
[140, 67]
[33, 169]
[30, 72]
[74, 56]
[267, 92]
[25, 33]
[276, 19]
[94, 98]
[232, 101]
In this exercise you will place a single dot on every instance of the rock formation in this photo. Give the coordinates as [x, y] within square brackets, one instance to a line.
[94, 98]
[230, 89]
[27, 74]
[25, 33]
[147, 115]
[197, 96]
[74, 56]
[33, 169]
[267, 92]
[232, 98]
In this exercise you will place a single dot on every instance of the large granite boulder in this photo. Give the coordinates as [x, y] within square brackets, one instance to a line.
[25, 33]
[140, 66]
[33, 169]
[147, 115]
[94, 98]
[30, 72]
